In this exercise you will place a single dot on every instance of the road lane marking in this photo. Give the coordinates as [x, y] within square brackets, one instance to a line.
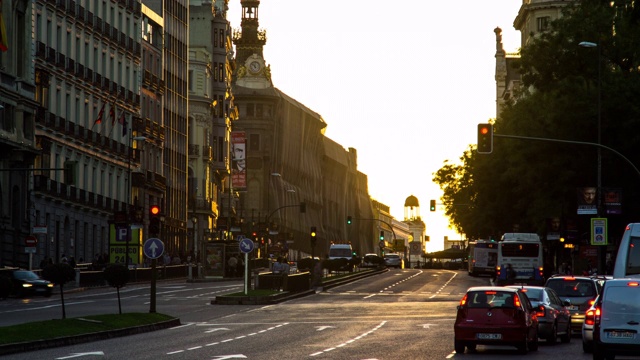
[350, 340]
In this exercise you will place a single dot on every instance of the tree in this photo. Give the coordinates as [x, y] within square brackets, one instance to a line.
[523, 182]
[117, 276]
[60, 273]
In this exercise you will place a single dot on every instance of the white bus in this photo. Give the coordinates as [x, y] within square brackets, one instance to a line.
[483, 257]
[523, 252]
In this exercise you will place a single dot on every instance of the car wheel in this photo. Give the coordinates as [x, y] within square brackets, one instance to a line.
[566, 338]
[459, 347]
[553, 336]
[471, 347]
[597, 354]
[533, 346]
[523, 348]
[587, 347]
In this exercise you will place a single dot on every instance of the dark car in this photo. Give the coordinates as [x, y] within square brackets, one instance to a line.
[554, 319]
[495, 315]
[579, 291]
[27, 283]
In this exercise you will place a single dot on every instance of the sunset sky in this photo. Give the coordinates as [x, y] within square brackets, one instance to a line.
[404, 82]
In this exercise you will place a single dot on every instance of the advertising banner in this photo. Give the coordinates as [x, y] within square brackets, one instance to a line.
[238, 160]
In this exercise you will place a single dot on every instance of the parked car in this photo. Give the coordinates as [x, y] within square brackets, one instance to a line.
[554, 318]
[393, 260]
[27, 283]
[494, 315]
[579, 291]
[587, 328]
[616, 327]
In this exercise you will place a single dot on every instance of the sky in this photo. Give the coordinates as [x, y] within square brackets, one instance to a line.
[404, 82]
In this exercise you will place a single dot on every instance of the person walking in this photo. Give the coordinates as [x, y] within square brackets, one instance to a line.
[316, 284]
[276, 269]
[233, 264]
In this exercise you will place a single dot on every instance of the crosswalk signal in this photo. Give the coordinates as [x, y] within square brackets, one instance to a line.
[432, 205]
[485, 138]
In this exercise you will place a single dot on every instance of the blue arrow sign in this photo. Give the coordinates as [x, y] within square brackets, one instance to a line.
[246, 245]
[153, 248]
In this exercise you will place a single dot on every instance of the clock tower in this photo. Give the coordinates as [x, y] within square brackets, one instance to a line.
[252, 72]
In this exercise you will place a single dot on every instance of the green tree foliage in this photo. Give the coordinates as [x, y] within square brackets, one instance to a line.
[59, 274]
[524, 182]
[117, 276]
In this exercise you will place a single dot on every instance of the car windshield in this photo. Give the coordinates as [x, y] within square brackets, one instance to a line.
[573, 287]
[25, 275]
[534, 294]
[339, 252]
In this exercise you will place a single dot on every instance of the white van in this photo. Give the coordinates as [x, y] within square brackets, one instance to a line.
[628, 258]
[616, 328]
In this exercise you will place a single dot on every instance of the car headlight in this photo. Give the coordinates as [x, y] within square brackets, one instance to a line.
[50, 285]
[27, 285]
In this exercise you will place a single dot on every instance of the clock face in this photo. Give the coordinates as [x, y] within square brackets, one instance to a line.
[254, 66]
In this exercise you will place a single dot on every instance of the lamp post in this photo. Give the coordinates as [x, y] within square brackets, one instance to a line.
[194, 248]
[588, 44]
[129, 186]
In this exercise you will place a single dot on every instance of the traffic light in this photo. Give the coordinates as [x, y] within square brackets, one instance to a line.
[432, 205]
[154, 220]
[313, 236]
[485, 138]
[348, 220]
[381, 235]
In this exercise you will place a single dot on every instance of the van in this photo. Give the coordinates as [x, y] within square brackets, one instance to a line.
[616, 327]
[628, 258]
[342, 251]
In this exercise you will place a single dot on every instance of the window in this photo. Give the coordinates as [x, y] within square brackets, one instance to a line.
[254, 142]
[543, 23]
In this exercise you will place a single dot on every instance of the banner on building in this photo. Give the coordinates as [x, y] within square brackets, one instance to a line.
[238, 160]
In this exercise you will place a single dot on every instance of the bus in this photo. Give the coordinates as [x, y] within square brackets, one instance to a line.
[523, 252]
[483, 257]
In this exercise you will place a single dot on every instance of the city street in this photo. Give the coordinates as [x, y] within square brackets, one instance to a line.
[400, 314]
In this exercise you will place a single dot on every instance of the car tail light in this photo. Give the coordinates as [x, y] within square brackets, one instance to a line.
[569, 278]
[589, 317]
[540, 311]
[463, 301]
[597, 315]
[591, 302]
[516, 301]
[633, 283]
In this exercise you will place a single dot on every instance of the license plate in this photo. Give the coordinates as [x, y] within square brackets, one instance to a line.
[620, 335]
[489, 336]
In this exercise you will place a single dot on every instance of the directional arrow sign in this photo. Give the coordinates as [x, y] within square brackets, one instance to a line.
[76, 355]
[153, 248]
[320, 328]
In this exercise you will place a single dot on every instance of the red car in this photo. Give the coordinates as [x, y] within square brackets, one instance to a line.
[495, 315]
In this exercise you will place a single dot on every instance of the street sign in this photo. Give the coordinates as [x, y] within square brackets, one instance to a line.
[153, 248]
[30, 241]
[39, 230]
[246, 245]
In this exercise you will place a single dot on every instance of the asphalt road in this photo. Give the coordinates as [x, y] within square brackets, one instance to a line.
[399, 314]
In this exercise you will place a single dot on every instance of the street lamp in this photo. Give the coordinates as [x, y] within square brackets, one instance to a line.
[588, 44]
[129, 186]
[194, 249]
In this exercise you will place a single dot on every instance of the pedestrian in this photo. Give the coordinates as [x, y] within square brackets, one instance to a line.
[232, 263]
[317, 276]
[511, 274]
[284, 272]
[276, 269]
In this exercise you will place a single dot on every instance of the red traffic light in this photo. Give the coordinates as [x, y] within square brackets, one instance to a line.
[154, 210]
[485, 138]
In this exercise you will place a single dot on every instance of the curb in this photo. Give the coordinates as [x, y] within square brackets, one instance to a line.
[79, 339]
[277, 298]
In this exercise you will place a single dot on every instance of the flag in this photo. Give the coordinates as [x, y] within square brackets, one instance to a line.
[122, 121]
[100, 115]
[112, 115]
[124, 125]
[4, 44]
